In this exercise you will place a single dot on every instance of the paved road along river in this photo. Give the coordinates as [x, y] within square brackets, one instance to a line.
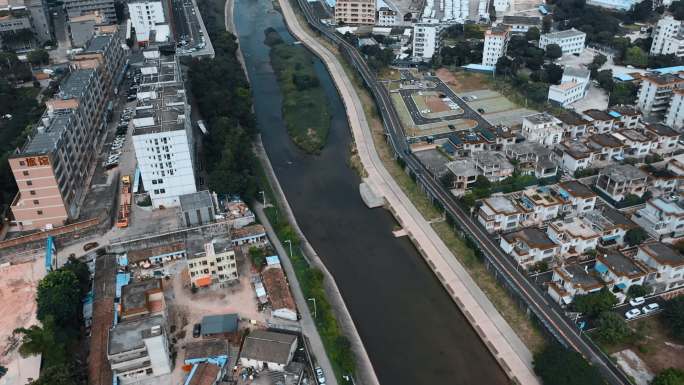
[413, 332]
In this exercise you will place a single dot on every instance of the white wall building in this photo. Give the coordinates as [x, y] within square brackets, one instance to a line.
[268, 350]
[667, 266]
[387, 17]
[425, 41]
[573, 87]
[577, 197]
[656, 92]
[495, 45]
[675, 113]
[572, 280]
[148, 16]
[668, 37]
[620, 180]
[571, 41]
[499, 213]
[661, 218]
[574, 235]
[542, 128]
[621, 5]
[529, 246]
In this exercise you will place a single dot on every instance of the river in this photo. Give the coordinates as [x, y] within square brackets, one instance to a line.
[413, 332]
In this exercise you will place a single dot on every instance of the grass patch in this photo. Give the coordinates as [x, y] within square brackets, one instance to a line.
[306, 115]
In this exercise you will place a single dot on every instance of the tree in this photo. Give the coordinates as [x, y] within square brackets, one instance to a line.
[59, 296]
[42, 340]
[554, 73]
[635, 236]
[81, 271]
[638, 291]
[642, 11]
[612, 328]
[673, 315]
[595, 303]
[636, 57]
[623, 93]
[677, 9]
[38, 56]
[59, 375]
[553, 51]
[546, 23]
[605, 79]
[473, 31]
[532, 34]
[669, 376]
[504, 66]
[556, 365]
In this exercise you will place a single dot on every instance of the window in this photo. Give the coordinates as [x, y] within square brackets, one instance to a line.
[32, 192]
[162, 191]
[35, 201]
[25, 173]
[39, 212]
[29, 183]
[22, 163]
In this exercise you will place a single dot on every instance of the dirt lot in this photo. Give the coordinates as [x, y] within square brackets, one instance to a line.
[463, 81]
[429, 101]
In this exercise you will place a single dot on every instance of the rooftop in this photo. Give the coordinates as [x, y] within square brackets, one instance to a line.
[577, 72]
[598, 114]
[577, 150]
[662, 129]
[575, 228]
[619, 264]
[98, 43]
[522, 20]
[532, 236]
[278, 290]
[139, 255]
[129, 335]
[247, 231]
[668, 207]
[491, 159]
[261, 345]
[625, 110]
[540, 196]
[76, 84]
[462, 167]
[206, 348]
[623, 172]
[579, 276]
[541, 118]
[135, 295]
[663, 253]
[577, 189]
[632, 135]
[605, 140]
[564, 34]
[204, 374]
[501, 205]
[525, 148]
[665, 79]
[219, 324]
[196, 200]
[160, 108]
[47, 136]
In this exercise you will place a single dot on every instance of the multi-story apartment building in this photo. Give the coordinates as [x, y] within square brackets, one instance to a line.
[574, 235]
[213, 264]
[387, 17]
[666, 266]
[148, 16]
[355, 11]
[162, 132]
[542, 128]
[82, 28]
[661, 218]
[138, 350]
[81, 7]
[668, 37]
[500, 213]
[675, 112]
[425, 41]
[495, 45]
[570, 41]
[105, 53]
[656, 92]
[24, 15]
[529, 246]
[620, 180]
[54, 167]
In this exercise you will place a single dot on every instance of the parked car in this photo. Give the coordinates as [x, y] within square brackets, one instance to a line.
[637, 301]
[196, 330]
[650, 308]
[90, 246]
[633, 313]
[319, 375]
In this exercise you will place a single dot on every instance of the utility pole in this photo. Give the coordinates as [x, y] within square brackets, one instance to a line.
[314, 303]
[289, 242]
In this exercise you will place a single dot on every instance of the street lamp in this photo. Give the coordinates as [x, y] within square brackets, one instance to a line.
[349, 379]
[314, 303]
[289, 242]
[263, 195]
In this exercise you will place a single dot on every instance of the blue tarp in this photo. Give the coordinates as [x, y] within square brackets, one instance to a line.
[601, 268]
[49, 249]
[621, 286]
[478, 67]
[614, 114]
[122, 280]
[669, 70]
[272, 260]
[122, 260]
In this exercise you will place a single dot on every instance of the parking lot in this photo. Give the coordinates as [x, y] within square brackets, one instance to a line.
[495, 107]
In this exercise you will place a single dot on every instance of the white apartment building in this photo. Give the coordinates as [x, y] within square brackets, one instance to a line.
[355, 11]
[425, 41]
[147, 16]
[162, 132]
[667, 266]
[542, 128]
[571, 41]
[212, 263]
[656, 92]
[675, 112]
[574, 235]
[573, 87]
[668, 37]
[500, 213]
[495, 45]
[138, 350]
[661, 218]
[529, 246]
[387, 17]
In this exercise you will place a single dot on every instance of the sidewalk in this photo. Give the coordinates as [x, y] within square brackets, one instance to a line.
[503, 343]
[307, 323]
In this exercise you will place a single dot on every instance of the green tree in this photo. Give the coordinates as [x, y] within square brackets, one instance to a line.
[547, 21]
[59, 296]
[532, 34]
[473, 31]
[669, 376]
[673, 315]
[504, 66]
[553, 51]
[635, 236]
[42, 340]
[554, 73]
[612, 328]
[638, 291]
[80, 270]
[556, 365]
[59, 375]
[38, 57]
[636, 57]
[623, 93]
[677, 9]
[595, 303]
[605, 79]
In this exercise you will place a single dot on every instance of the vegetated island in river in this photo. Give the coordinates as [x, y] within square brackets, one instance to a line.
[305, 106]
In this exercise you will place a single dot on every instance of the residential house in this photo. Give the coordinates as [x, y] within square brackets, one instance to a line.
[662, 218]
[667, 266]
[612, 224]
[637, 145]
[570, 281]
[575, 235]
[464, 175]
[500, 213]
[493, 165]
[542, 128]
[573, 124]
[620, 180]
[529, 245]
[577, 197]
[279, 294]
[574, 155]
[268, 350]
[249, 235]
[208, 359]
[619, 272]
[541, 205]
[212, 263]
[601, 121]
[606, 147]
[662, 181]
[664, 139]
[628, 117]
[533, 159]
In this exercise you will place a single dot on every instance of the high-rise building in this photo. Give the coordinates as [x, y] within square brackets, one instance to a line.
[355, 11]
[148, 21]
[668, 37]
[675, 113]
[425, 41]
[22, 16]
[495, 45]
[655, 93]
[162, 133]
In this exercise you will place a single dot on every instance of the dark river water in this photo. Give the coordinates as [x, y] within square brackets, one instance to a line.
[412, 330]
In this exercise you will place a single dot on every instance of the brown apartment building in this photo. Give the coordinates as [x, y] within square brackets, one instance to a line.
[355, 11]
